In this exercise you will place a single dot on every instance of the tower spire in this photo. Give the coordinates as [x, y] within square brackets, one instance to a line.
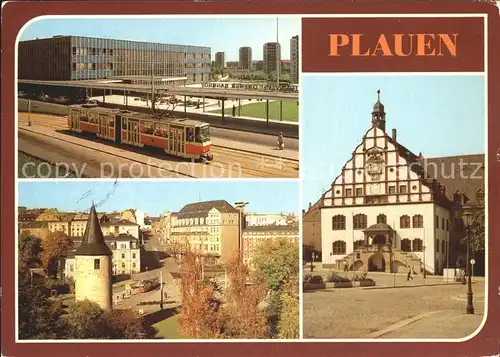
[378, 114]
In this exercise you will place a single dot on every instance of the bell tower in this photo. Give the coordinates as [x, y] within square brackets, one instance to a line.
[378, 114]
[93, 266]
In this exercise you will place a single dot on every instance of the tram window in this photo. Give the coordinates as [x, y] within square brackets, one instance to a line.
[189, 134]
[163, 130]
[124, 124]
[156, 129]
[112, 122]
[84, 118]
[147, 127]
[202, 134]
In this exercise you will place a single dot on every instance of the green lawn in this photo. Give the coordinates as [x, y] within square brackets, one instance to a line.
[258, 110]
[168, 328]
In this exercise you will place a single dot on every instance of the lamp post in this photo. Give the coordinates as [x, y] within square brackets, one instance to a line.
[312, 262]
[470, 306]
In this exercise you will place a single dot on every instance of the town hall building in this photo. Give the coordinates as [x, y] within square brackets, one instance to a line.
[386, 212]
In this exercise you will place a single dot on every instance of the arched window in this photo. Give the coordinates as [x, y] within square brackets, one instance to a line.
[406, 245]
[338, 222]
[359, 221]
[404, 221]
[418, 221]
[338, 247]
[417, 245]
[381, 218]
[358, 244]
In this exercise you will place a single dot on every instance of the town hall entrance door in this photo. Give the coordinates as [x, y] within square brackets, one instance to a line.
[376, 262]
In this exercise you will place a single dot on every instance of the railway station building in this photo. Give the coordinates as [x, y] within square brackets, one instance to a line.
[390, 209]
[68, 58]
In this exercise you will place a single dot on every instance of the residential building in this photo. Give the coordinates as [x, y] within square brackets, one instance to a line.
[258, 65]
[210, 227]
[84, 58]
[311, 227]
[265, 219]
[245, 60]
[115, 227]
[253, 236]
[38, 229]
[294, 59]
[126, 255]
[220, 60]
[272, 57]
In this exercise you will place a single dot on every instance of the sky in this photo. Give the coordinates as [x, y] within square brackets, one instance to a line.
[437, 115]
[221, 34]
[155, 197]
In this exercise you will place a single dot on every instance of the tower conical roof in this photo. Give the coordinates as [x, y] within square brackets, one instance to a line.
[93, 241]
[378, 107]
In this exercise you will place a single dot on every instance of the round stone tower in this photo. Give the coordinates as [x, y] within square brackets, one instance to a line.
[93, 266]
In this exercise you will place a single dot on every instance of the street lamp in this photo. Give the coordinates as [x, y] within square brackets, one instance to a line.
[470, 306]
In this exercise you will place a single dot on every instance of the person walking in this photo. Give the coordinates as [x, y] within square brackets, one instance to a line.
[409, 277]
[234, 111]
[281, 144]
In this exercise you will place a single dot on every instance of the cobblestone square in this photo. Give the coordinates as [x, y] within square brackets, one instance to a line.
[410, 310]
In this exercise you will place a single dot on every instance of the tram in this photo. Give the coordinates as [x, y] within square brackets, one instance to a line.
[184, 138]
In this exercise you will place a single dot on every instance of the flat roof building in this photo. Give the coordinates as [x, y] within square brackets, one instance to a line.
[245, 61]
[84, 58]
[294, 59]
[272, 57]
[220, 60]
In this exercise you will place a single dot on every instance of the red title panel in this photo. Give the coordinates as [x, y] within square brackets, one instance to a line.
[454, 44]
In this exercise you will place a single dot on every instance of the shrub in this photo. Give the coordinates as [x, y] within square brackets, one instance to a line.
[335, 278]
[313, 279]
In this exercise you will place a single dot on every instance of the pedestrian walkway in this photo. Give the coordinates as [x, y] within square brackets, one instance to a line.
[210, 106]
[452, 324]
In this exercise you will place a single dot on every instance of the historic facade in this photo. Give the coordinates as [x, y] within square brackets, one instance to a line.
[385, 211]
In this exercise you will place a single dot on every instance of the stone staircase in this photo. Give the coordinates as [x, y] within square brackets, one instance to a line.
[389, 260]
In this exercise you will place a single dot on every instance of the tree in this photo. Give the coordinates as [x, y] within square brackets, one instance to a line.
[276, 261]
[245, 316]
[55, 247]
[86, 319]
[30, 249]
[39, 317]
[201, 315]
[288, 323]
[477, 230]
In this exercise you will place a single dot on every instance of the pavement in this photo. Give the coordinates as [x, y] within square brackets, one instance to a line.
[407, 311]
[210, 106]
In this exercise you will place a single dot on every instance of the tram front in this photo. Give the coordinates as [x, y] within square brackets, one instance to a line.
[202, 136]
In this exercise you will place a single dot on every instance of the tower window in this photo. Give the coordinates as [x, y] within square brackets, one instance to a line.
[97, 264]
[392, 189]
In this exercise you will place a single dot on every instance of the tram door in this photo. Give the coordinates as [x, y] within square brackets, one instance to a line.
[177, 140]
[74, 117]
[133, 132]
[102, 126]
